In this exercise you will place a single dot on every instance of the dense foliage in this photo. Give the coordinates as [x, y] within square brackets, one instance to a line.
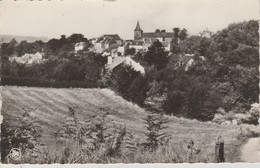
[226, 78]
[61, 68]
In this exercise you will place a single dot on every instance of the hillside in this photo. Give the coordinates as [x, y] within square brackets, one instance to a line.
[8, 38]
[50, 107]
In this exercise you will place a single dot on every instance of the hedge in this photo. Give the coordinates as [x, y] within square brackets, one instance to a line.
[34, 82]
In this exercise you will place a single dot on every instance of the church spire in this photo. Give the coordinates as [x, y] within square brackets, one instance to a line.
[138, 28]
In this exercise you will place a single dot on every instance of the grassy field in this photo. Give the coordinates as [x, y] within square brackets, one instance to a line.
[50, 107]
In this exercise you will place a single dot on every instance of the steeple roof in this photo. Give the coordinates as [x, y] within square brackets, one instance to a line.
[138, 28]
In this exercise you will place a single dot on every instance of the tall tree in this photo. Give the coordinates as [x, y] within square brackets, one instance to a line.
[156, 55]
[122, 78]
[183, 34]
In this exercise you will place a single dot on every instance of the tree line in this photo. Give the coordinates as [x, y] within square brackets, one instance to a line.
[61, 67]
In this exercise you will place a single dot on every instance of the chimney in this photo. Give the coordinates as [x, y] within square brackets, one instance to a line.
[157, 31]
[109, 60]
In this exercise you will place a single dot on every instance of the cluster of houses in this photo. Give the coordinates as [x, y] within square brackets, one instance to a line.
[28, 59]
[112, 43]
[114, 48]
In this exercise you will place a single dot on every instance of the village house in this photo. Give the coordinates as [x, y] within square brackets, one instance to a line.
[188, 60]
[123, 47]
[137, 45]
[126, 60]
[106, 42]
[28, 59]
[79, 46]
[148, 38]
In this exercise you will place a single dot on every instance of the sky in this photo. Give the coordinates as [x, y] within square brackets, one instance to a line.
[96, 17]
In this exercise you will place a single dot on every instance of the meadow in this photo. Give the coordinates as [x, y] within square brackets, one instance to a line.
[49, 109]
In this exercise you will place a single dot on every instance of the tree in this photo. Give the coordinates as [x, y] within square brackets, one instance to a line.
[176, 31]
[234, 58]
[68, 71]
[195, 44]
[7, 49]
[26, 48]
[174, 102]
[183, 34]
[52, 47]
[64, 47]
[92, 72]
[122, 78]
[24, 136]
[137, 90]
[196, 97]
[156, 134]
[179, 35]
[206, 33]
[75, 38]
[130, 51]
[156, 55]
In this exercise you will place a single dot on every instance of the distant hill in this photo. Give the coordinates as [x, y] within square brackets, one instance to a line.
[8, 38]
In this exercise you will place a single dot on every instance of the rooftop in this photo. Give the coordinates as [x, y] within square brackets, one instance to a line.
[158, 34]
[137, 43]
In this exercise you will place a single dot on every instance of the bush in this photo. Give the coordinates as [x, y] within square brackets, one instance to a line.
[254, 114]
[96, 135]
[23, 136]
[156, 134]
[137, 90]
[250, 117]
[174, 103]
[156, 97]
[248, 131]
[122, 78]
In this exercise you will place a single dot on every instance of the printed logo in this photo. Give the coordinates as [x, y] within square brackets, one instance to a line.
[15, 153]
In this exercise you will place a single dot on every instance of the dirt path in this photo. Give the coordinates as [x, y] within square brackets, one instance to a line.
[250, 151]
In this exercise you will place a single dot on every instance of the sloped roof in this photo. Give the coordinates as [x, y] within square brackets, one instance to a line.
[137, 43]
[159, 34]
[106, 38]
[138, 28]
[186, 58]
[115, 36]
[117, 61]
[112, 47]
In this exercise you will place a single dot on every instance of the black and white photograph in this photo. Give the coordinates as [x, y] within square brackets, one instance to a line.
[129, 81]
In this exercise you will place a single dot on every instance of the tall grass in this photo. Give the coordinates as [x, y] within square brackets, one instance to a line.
[67, 141]
[97, 141]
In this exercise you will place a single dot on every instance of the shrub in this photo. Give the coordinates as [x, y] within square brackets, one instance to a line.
[156, 134]
[137, 90]
[95, 136]
[156, 97]
[249, 117]
[23, 136]
[248, 131]
[254, 114]
[122, 78]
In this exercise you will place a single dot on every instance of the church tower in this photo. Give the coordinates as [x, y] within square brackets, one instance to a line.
[138, 32]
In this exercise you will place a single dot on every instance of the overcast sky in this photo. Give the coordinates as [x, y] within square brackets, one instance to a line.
[96, 17]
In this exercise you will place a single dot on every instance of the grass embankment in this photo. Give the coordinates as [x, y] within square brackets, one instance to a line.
[50, 107]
